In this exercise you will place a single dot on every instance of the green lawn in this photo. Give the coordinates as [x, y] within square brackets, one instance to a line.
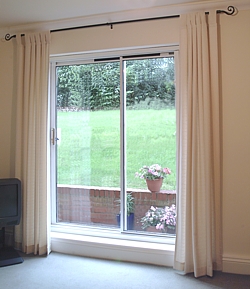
[89, 147]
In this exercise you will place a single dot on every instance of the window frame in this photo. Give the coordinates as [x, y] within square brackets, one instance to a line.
[93, 57]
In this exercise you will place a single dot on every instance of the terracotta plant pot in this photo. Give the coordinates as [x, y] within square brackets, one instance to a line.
[154, 185]
[171, 230]
[152, 229]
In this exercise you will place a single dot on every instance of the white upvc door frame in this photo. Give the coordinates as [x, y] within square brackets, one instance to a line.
[86, 58]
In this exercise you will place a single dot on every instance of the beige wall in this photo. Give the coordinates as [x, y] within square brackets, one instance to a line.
[235, 55]
[6, 93]
[122, 35]
[235, 35]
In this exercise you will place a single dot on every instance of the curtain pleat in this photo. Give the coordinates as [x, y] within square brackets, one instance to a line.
[198, 241]
[31, 140]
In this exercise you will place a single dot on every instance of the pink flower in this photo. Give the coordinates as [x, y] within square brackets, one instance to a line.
[159, 227]
[167, 171]
[157, 167]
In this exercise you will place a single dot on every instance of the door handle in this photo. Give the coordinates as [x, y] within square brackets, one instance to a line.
[53, 136]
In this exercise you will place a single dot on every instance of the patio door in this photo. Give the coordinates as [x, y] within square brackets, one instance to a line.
[110, 118]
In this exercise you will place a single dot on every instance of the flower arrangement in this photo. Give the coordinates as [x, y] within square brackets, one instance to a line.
[160, 218]
[153, 172]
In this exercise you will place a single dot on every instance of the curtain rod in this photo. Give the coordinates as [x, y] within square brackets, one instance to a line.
[230, 11]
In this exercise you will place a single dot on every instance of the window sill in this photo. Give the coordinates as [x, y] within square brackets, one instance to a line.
[129, 249]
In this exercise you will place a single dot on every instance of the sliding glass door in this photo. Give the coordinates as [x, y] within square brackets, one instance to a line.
[88, 146]
[151, 141]
[112, 118]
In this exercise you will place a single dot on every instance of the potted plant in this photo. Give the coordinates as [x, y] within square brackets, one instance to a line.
[163, 219]
[153, 175]
[130, 211]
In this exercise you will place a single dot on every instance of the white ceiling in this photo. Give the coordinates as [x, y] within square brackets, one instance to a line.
[22, 12]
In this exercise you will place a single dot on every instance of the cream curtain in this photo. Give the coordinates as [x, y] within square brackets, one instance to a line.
[31, 140]
[198, 242]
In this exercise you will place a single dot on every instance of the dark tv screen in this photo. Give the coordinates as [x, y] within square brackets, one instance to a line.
[10, 202]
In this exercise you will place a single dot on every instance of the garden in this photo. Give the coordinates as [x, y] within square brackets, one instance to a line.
[89, 148]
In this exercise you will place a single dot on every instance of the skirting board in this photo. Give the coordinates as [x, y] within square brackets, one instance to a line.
[120, 250]
[236, 265]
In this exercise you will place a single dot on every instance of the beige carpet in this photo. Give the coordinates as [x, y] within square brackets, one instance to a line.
[59, 271]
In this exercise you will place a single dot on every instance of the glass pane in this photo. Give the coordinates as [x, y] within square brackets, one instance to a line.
[88, 146]
[151, 140]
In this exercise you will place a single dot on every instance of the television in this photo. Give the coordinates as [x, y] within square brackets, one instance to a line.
[10, 202]
[10, 215]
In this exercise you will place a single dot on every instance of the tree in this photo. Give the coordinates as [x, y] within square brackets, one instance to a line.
[97, 86]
